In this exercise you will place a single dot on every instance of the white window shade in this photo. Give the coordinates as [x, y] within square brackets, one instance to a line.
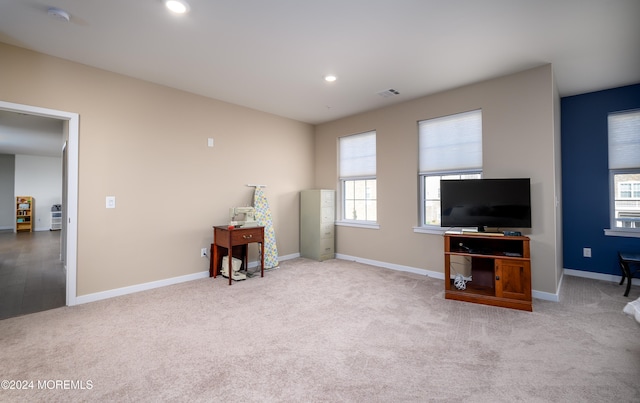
[451, 143]
[624, 140]
[358, 155]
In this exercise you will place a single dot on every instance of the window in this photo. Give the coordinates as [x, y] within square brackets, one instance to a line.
[358, 177]
[450, 147]
[624, 169]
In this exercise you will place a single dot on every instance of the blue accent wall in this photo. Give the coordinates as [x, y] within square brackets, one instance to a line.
[585, 179]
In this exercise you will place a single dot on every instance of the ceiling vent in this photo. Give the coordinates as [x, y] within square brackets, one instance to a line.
[388, 93]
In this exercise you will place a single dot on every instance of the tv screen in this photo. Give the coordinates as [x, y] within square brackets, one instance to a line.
[496, 203]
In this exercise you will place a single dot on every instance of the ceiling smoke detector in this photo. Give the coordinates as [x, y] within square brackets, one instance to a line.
[388, 93]
[58, 14]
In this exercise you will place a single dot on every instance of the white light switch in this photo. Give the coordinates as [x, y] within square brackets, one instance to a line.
[111, 202]
[210, 142]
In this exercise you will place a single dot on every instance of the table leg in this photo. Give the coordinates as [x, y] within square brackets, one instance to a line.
[627, 274]
[230, 258]
[262, 259]
[212, 258]
[245, 256]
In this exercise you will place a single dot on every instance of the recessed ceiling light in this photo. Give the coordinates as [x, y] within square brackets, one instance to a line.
[177, 6]
[330, 78]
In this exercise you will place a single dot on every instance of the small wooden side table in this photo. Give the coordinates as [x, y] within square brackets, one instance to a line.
[226, 238]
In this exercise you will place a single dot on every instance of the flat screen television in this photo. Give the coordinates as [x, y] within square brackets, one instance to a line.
[495, 203]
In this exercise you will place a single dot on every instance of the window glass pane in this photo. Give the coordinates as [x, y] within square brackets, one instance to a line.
[627, 200]
[360, 190]
[360, 210]
[624, 189]
[360, 200]
[371, 189]
[349, 210]
[432, 212]
[432, 187]
[349, 189]
[372, 214]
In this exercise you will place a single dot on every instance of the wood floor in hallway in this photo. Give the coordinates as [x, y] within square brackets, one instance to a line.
[32, 277]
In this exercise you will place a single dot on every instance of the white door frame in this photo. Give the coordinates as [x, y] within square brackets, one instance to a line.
[72, 189]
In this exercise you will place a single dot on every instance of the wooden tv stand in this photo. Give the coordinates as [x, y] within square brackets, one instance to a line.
[499, 266]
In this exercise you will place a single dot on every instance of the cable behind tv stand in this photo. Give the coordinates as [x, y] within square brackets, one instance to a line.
[496, 270]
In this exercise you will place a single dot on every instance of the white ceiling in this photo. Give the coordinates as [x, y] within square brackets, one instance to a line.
[271, 55]
[30, 135]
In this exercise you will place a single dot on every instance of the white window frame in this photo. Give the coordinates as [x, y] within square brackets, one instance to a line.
[624, 159]
[448, 167]
[367, 200]
[616, 197]
[356, 172]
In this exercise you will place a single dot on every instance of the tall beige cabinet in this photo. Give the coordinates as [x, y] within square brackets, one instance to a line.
[317, 228]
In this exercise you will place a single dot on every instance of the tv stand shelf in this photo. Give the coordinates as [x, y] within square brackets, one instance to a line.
[499, 269]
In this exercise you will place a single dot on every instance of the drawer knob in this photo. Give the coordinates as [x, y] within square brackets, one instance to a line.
[247, 236]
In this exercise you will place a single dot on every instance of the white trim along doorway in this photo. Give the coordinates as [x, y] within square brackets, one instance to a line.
[73, 121]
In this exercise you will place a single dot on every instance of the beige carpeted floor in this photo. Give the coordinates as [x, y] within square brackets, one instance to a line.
[326, 332]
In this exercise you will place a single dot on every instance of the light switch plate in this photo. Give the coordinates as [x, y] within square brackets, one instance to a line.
[111, 202]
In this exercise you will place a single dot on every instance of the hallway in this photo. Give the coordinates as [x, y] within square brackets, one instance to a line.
[32, 277]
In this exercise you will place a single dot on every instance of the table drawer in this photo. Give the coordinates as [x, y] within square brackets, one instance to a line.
[246, 235]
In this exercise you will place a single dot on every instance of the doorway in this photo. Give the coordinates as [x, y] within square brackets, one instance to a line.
[69, 233]
[33, 276]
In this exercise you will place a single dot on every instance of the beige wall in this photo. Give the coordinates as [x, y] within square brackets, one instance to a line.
[147, 145]
[520, 139]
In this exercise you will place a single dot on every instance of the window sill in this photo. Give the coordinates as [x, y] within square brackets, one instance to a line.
[357, 224]
[623, 233]
[429, 230]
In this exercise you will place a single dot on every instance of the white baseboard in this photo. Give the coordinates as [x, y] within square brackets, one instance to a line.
[392, 266]
[280, 259]
[35, 229]
[288, 257]
[434, 274]
[3, 228]
[547, 296]
[598, 276]
[83, 299]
